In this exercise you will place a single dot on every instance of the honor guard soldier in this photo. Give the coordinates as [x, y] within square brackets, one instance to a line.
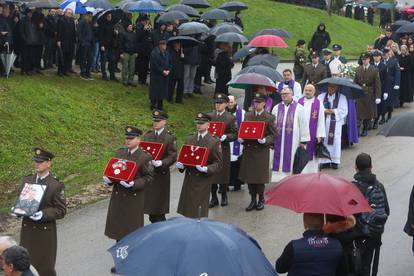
[157, 195]
[314, 71]
[194, 197]
[254, 169]
[38, 234]
[230, 134]
[126, 206]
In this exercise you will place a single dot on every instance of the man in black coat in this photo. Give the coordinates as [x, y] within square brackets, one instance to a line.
[409, 225]
[160, 64]
[28, 32]
[144, 46]
[320, 39]
[176, 79]
[66, 39]
[39, 22]
[86, 38]
[50, 29]
[107, 37]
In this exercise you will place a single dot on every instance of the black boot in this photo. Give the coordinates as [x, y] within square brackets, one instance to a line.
[364, 129]
[252, 204]
[113, 270]
[260, 203]
[214, 200]
[382, 121]
[389, 115]
[224, 201]
[375, 125]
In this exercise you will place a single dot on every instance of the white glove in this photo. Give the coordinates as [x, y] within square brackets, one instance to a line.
[202, 169]
[179, 165]
[37, 216]
[385, 96]
[106, 180]
[377, 101]
[261, 141]
[396, 87]
[127, 185]
[240, 140]
[156, 163]
[223, 137]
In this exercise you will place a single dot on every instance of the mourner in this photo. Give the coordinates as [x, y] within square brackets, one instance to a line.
[157, 195]
[392, 84]
[291, 83]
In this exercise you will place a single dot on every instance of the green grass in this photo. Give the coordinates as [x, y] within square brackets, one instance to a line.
[80, 121]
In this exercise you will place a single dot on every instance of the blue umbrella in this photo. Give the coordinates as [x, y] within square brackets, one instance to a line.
[75, 5]
[99, 4]
[386, 6]
[144, 6]
[184, 246]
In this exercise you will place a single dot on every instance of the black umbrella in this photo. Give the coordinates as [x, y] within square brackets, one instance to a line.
[186, 41]
[405, 29]
[386, 6]
[263, 70]
[99, 4]
[191, 28]
[231, 38]
[278, 32]
[266, 60]
[117, 15]
[172, 16]
[365, 4]
[226, 28]
[243, 52]
[190, 11]
[162, 2]
[397, 24]
[44, 4]
[347, 87]
[402, 125]
[233, 6]
[196, 3]
[216, 14]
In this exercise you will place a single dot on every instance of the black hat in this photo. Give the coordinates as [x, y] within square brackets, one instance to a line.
[336, 47]
[314, 54]
[326, 52]
[221, 98]
[132, 132]
[365, 56]
[202, 118]
[159, 115]
[377, 53]
[42, 155]
[258, 97]
[300, 42]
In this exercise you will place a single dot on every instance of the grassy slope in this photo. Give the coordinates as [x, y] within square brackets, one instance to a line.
[82, 122]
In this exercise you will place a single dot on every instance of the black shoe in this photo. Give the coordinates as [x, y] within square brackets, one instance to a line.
[66, 74]
[210, 81]
[260, 203]
[388, 117]
[213, 202]
[113, 270]
[375, 125]
[252, 204]
[224, 201]
[236, 188]
[104, 77]
[114, 79]
[334, 166]
[179, 102]
[198, 91]
[382, 121]
[325, 166]
[190, 95]
[364, 132]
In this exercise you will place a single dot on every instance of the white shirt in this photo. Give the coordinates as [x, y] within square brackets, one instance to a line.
[38, 178]
[258, 113]
[202, 134]
[220, 113]
[133, 150]
[158, 132]
[297, 90]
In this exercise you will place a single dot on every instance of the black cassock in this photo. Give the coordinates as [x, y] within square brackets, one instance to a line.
[406, 67]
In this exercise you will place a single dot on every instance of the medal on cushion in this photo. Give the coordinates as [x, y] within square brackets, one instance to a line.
[119, 166]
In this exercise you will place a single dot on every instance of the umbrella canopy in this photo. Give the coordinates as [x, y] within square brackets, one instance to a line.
[397, 24]
[401, 125]
[231, 38]
[196, 3]
[278, 32]
[162, 2]
[318, 193]
[117, 15]
[185, 246]
[233, 6]
[405, 29]
[190, 11]
[144, 6]
[271, 73]
[172, 16]
[243, 52]
[225, 28]
[266, 60]
[365, 3]
[44, 4]
[76, 6]
[8, 59]
[386, 6]
[246, 80]
[99, 4]
[191, 28]
[267, 41]
[408, 10]
[216, 14]
[186, 41]
[347, 87]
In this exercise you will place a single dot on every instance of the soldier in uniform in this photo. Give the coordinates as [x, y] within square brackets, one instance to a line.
[197, 183]
[157, 195]
[367, 77]
[314, 71]
[254, 169]
[327, 56]
[230, 134]
[38, 234]
[300, 59]
[126, 206]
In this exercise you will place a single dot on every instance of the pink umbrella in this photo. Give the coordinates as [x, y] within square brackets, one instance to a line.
[243, 81]
[268, 41]
[408, 10]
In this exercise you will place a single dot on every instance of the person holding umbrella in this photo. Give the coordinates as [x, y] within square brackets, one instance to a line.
[176, 79]
[128, 47]
[107, 39]
[66, 38]
[143, 31]
[300, 60]
[223, 64]
[85, 38]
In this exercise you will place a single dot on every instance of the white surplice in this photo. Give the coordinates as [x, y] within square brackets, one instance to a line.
[340, 116]
[297, 90]
[300, 134]
[313, 165]
[233, 157]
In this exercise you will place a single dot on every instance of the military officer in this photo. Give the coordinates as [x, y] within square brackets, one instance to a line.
[194, 197]
[157, 195]
[126, 206]
[367, 76]
[254, 169]
[314, 71]
[230, 134]
[38, 234]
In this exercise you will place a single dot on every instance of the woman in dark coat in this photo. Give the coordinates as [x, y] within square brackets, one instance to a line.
[406, 67]
[160, 62]
[320, 39]
[223, 65]
[409, 226]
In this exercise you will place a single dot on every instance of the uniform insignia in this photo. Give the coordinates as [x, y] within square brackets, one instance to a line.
[38, 151]
[199, 115]
[219, 96]
[257, 95]
[156, 113]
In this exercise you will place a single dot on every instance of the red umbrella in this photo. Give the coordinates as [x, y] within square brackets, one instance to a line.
[267, 41]
[245, 80]
[318, 193]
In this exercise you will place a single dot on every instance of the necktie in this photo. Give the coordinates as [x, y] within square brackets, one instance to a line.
[156, 134]
[199, 137]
